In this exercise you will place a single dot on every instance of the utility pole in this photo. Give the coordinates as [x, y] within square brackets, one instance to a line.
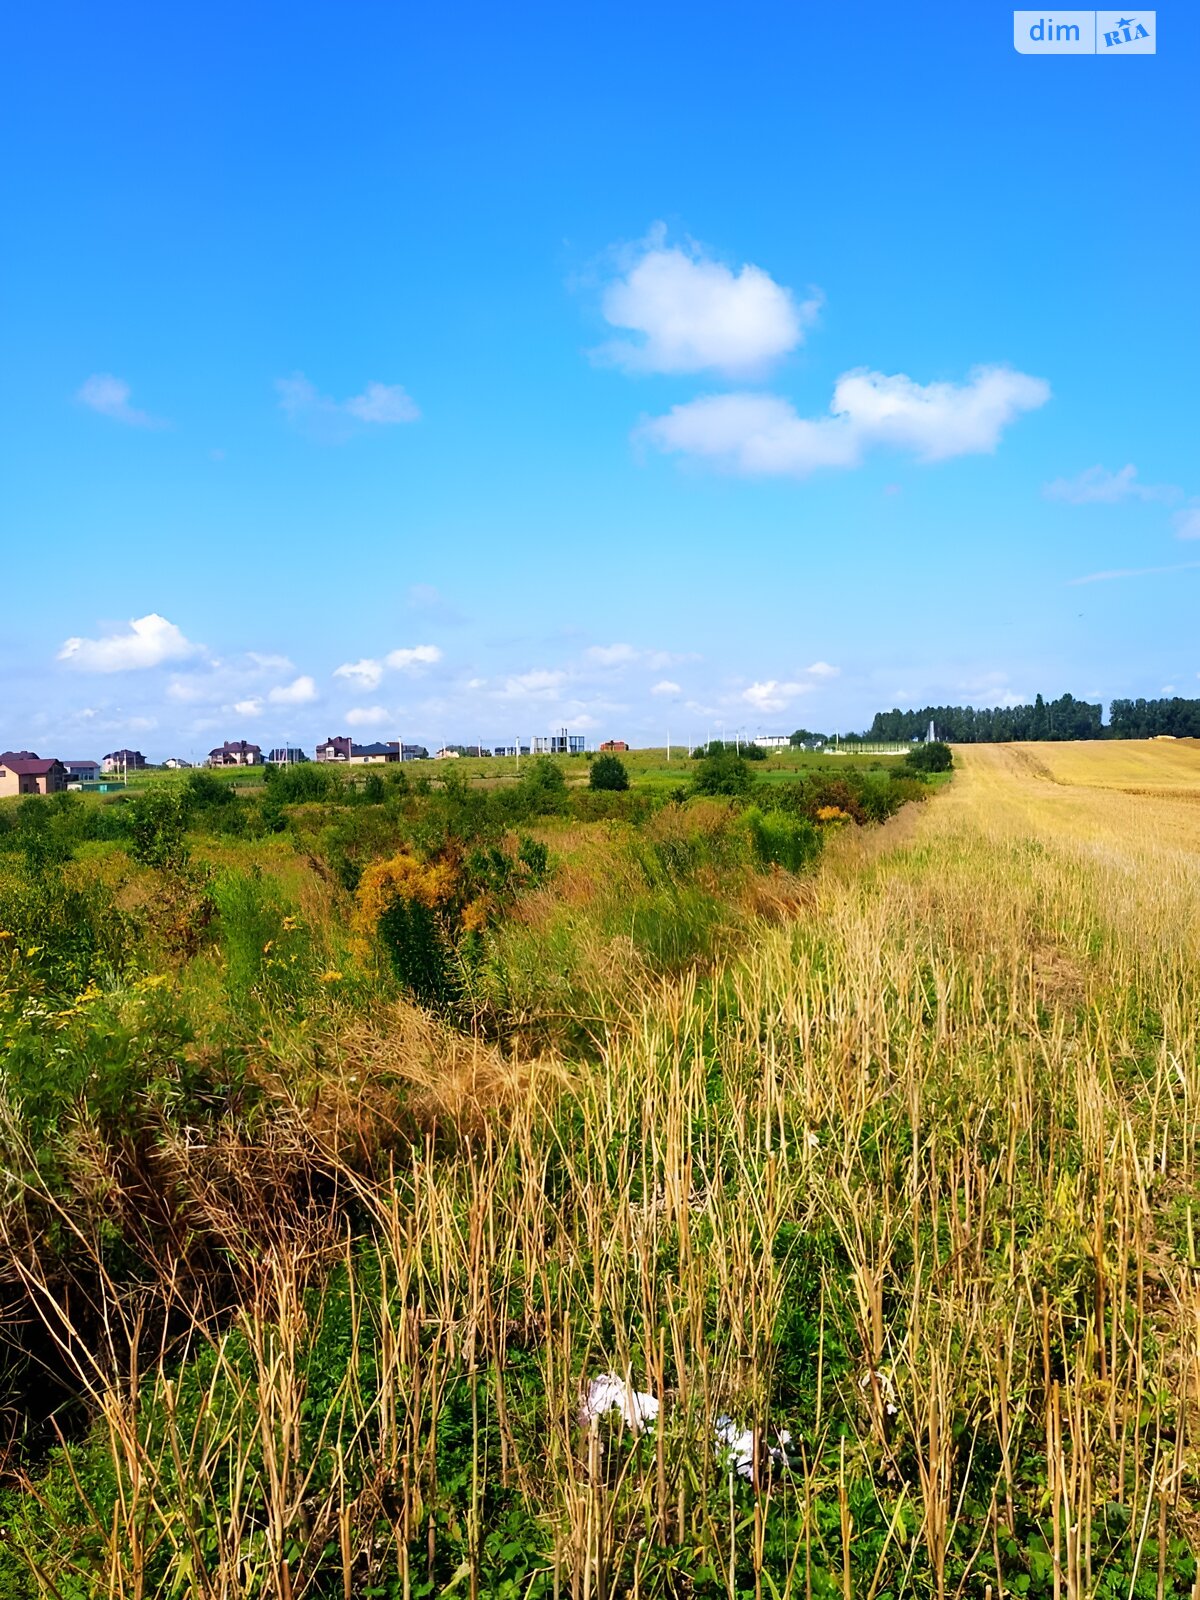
[668, 746]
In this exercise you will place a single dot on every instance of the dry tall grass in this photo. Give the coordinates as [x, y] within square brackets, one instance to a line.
[914, 1177]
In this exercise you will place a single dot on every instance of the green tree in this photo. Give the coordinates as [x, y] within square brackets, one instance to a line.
[157, 822]
[608, 772]
[932, 757]
[724, 772]
[544, 785]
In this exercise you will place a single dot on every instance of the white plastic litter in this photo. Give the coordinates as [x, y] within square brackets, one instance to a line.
[882, 1383]
[608, 1392]
[733, 1443]
[736, 1445]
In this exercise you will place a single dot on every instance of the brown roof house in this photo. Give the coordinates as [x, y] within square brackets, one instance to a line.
[235, 753]
[25, 774]
[614, 744]
[335, 749]
[123, 761]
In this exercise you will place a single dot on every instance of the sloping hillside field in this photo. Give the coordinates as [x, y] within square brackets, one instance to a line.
[1151, 765]
[856, 1257]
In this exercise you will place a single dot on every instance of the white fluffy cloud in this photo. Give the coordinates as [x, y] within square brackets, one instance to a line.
[665, 688]
[380, 404]
[300, 692]
[693, 314]
[248, 708]
[368, 673]
[541, 683]
[1098, 486]
[773, 695]
[612, 655]
[368, 716]
[149, 641]
[413, 658]
[629, 655]
[110, 397]
[383, 403]
[762, 434]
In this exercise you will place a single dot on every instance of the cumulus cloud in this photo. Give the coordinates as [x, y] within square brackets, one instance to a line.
[366, 673]
[761, 434]
[109, 397]
[383, 403]
[612, 655]
[1099, 486]
[368, 716]
[541, 683]
[149, 641]
[332, 421]
[300, 692]
[248, 708]
[414, 658]
[822, 669]
[773, 695]
[666, 687]
[693, 313]
[628, 655]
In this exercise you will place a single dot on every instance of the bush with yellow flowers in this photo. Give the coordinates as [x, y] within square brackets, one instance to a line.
[415, 910]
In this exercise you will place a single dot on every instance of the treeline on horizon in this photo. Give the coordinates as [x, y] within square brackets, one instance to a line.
[1064, 718]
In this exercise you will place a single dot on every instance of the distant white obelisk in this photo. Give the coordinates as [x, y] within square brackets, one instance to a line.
[931, 736]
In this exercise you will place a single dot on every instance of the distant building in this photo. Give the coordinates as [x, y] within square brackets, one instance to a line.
[31, 775]
[390, 750]
[124, 761]
[773, 741]
[614, 745]
[176, 764]
[563, 743]
[235, 753]
[362, 755]
[82, 771]
[286, 756]
[344, 749]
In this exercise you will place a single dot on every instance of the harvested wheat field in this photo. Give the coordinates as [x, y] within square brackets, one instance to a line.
[861, 1262]
[1148, 766]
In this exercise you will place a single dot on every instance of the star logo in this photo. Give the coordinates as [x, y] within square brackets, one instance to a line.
[1126, 22]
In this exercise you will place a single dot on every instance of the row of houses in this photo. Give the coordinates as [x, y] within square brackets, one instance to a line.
[345, 750]
[25, 772]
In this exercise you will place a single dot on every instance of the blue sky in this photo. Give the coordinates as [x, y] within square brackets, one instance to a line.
[628, 367]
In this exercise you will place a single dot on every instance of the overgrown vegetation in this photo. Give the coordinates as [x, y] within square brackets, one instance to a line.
[351, 1131]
